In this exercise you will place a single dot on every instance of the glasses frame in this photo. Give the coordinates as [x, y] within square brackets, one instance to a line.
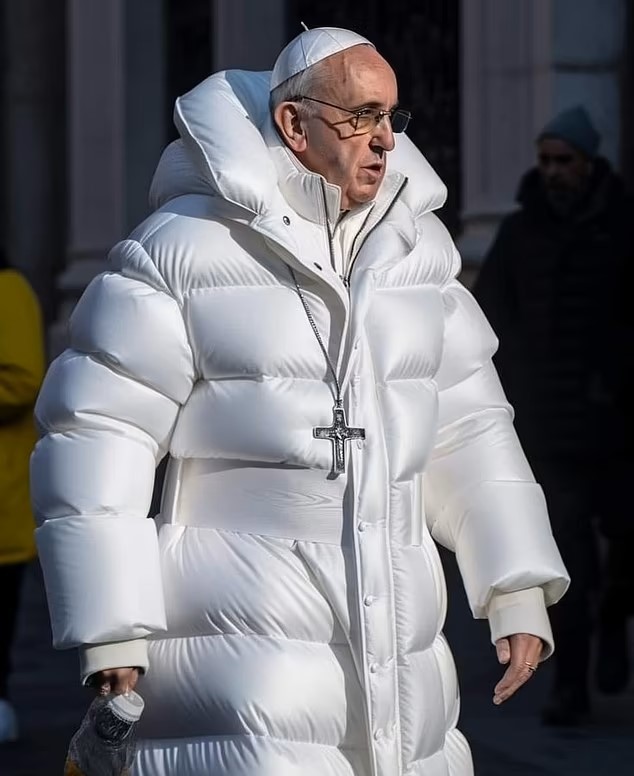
[360, 113]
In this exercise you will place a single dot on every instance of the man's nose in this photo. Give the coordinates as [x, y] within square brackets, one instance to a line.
[552, 172]
[551, 168]
[383, 134]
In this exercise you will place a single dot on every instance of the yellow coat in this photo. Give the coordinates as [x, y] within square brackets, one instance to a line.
[21, 373]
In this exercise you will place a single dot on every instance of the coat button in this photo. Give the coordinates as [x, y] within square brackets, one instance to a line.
[362, 526]
[287, 220]
[379, 734]
[374, 668]
[368, 600]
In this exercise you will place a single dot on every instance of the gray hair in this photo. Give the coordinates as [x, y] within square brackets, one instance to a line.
[300, 85]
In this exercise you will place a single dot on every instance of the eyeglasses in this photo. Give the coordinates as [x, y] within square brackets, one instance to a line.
[365, 119]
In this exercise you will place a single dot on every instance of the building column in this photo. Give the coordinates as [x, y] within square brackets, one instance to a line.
[146, 70]
[33, 155]
[95, 142]
[248, 35]
[506, 98]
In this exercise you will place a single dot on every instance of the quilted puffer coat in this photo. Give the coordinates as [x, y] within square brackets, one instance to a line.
[293, 618]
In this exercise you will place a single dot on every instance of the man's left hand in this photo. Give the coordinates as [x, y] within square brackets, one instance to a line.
[521, 652]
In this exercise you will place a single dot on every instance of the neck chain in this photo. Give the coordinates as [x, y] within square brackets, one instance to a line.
[339, 432]
[324, 350]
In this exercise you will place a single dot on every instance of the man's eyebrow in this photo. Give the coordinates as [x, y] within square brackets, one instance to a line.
[544, 157]
[375, 104]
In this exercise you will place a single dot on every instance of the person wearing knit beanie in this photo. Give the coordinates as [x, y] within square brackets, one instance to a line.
[555, 287]
[566, 152]
[574, 126]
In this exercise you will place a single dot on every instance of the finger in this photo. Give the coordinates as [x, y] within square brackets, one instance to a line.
[120, 686]
[125, 681]
[522, 648]
[121, 683]
[134, 678]
[513, 679]
[525, 653]
[535, 653]
[99, 683]
[503, 649]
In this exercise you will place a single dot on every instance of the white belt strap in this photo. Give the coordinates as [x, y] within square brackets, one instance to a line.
[263, 499]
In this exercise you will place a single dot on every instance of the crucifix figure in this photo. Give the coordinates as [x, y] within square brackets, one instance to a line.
[339, 433]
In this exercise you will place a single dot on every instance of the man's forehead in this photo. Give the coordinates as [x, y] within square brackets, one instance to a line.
[556, 146]
[361, 69]
[355, 60]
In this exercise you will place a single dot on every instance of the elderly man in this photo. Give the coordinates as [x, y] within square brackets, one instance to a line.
[288, 327]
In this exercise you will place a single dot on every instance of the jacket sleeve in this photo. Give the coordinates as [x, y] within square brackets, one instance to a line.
[481, 498]
[21, 347]
[107, 410]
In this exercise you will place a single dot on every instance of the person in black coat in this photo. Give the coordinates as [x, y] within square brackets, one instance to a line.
[553, 287]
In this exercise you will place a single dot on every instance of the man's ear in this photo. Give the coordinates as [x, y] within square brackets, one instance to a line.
[289, 125]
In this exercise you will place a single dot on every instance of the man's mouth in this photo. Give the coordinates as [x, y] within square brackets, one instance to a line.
[376, 168]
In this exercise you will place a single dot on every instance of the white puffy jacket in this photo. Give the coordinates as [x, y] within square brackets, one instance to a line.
[293, 620]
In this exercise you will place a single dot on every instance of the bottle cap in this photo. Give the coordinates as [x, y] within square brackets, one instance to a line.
[129, 706]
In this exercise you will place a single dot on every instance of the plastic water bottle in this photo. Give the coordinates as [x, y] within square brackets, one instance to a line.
[105, 742]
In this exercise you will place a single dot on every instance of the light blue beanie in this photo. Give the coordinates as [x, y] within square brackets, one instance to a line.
[575, 127]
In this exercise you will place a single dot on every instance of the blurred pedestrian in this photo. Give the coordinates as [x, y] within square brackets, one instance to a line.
[551, 286]
[21, 373]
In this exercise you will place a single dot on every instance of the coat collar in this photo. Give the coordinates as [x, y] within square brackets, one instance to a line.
[305, 191]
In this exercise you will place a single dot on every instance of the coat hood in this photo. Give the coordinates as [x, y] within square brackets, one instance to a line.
[222, 150]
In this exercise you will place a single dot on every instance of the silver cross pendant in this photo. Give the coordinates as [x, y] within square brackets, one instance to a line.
[338, 434]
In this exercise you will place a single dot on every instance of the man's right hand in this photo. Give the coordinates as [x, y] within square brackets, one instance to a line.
[114, 680]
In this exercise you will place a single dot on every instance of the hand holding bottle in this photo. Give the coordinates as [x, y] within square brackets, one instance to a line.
[115, 680]
[105, 743]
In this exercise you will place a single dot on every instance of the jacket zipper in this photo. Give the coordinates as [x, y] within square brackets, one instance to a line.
[346, 278]
[331, 238]
[354, 253]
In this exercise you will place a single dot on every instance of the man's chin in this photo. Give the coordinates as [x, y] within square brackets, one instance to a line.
[562, 201]
[364, 194]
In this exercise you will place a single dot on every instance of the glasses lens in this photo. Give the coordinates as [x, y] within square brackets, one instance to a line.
[400, 120]
[364, 122]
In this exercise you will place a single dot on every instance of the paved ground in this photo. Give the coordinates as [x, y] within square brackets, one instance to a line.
[506, 741]
[45, 690]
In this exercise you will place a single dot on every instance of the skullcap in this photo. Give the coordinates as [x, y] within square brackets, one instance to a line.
[310, 47]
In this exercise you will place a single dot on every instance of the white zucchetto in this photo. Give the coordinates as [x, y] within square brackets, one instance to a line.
[311, 47]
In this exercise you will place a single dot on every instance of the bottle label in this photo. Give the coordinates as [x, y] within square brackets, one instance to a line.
[70, 769]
